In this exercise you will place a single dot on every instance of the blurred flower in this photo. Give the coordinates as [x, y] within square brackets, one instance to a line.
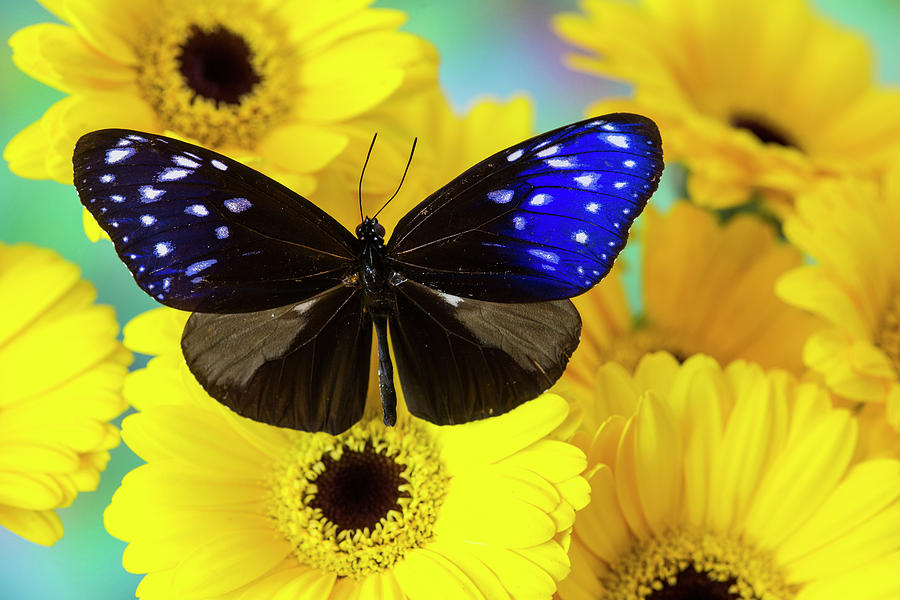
[852, 230]
[269, 83]
[729, 483]
[228, 508]
[448, 144]
[765, 96]
[707, 288]
[62, 372]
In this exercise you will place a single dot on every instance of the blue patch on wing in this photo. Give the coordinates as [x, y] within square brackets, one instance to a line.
[542, 220]
[201, 232]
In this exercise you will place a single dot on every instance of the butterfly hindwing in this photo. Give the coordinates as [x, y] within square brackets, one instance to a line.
[303, 366]
[202, 232]
[542, 220]
[461, 359]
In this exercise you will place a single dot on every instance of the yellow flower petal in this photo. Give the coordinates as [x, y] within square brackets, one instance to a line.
[802, 478]
[520, 427]
[658, 458]
[282, 145]
[875, 581]
[427, 574]
[58, 56]
[468, 519]
[41, 527]
[156, 331]
[228, 562]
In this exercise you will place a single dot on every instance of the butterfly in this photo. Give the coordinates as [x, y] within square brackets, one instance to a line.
[472, 286]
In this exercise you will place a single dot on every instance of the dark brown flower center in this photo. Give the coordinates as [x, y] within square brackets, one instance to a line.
[765, 131]
[358, 489]
[216, 65]
[693, 585]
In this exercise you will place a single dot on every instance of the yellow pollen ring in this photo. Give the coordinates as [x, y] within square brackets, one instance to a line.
[356, 553]
[655, 563]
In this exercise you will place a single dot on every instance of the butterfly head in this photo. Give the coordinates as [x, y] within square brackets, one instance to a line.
[370, 230]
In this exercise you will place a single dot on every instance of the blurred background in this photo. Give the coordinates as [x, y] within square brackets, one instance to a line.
[492, 48]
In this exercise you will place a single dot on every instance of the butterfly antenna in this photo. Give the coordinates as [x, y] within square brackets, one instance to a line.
[405, 171]
[368, 154]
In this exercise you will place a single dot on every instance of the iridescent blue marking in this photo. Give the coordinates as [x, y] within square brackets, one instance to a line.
[198, 266]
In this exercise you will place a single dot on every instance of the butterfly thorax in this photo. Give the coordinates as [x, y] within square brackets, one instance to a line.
[373, 271]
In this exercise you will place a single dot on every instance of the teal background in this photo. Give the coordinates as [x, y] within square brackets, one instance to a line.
[495, 47]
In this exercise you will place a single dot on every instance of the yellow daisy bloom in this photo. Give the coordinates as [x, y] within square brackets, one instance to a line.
[852, 230]
[707, 288]
[228, 508]
[765, 96]
[268, 82]
[447, 145]
[62, 372]
[730, 483]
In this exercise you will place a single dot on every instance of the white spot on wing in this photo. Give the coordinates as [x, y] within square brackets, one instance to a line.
[173, 174]
[586, 180]
[150, 193]
[184, 161]
[592, 207]
[559, 163]
[117, 198]
[519, 222]
[609, 127]
[515, 155]
[136, 138]
[548, 151]
[117, 154]
[619, 184]
[237, 205]
[618, 140]
[199, 266]
[162, 249]
[501, 196]
[219, 164]
[198, 210]
[108, 178]
[580, 236]
[629, 163]
[541, 199]
[148, 220]
[222, 232]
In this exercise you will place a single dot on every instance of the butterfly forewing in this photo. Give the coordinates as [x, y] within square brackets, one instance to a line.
[201, 232]
[542, 220]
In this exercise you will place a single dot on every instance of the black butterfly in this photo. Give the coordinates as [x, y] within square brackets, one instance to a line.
[473, 284]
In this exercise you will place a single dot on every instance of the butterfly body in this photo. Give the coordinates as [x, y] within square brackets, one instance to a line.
[471, 288]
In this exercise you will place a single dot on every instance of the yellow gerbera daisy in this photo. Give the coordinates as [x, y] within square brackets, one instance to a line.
[706, 288]
[448, 144]
[228, 508]
[730, 483]
[62, 372]
[267, 82]
[751, 95]
[852, 230]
